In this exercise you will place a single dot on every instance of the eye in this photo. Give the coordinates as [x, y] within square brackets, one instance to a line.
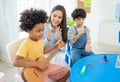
[40, 30]
[78, 18]
[54, 15]
[59, 17]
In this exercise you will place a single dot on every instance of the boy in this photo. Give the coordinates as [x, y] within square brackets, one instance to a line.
[32, 48]
[79, 36]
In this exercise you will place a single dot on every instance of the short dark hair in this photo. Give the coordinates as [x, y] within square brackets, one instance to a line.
[78, 12]
[29, 18]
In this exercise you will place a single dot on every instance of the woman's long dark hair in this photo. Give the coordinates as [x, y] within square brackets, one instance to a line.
[63, 23]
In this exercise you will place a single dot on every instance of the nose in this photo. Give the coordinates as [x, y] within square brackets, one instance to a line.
[56, 18]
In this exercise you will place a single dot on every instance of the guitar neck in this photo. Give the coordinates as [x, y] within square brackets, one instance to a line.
[51, 55]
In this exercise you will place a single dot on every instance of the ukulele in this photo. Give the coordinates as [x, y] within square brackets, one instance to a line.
[36, 74]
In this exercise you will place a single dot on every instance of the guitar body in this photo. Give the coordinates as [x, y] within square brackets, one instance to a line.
[35, 74]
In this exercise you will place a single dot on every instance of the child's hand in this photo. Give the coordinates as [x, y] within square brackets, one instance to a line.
[57, 33]
[49, 34]
[87, 47]
[61, 44]
[75, 38]
[42, 65]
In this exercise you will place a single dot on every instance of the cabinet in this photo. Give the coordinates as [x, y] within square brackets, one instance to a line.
[109, 33]
[109, 37]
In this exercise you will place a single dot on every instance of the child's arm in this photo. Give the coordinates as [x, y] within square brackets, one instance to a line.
[49, 48]
[75, 38]
[72, 34]
[88, 42]
[59, 44]
[88, 47]
[21, 62]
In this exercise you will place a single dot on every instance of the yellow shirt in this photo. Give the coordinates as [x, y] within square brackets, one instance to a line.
[31, 50]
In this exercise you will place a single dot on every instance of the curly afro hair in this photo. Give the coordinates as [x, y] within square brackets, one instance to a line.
[29, 18]
[78, 12]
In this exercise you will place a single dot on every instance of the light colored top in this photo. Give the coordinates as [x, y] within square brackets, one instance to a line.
[72, 33]
[52, 39]
[58, 58]
[31, 50]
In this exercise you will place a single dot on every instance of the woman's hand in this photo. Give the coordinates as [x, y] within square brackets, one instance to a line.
[49, 34]
[57, 33]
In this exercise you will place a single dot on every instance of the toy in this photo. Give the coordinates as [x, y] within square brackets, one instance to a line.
[82, 72]
[105, 58]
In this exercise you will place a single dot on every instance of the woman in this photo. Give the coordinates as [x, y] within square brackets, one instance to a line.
[55, 30]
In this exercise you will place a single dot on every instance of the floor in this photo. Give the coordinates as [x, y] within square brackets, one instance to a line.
[11, 74]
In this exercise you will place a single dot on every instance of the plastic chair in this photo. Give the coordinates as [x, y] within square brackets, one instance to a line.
[67, 56]
[11, 51]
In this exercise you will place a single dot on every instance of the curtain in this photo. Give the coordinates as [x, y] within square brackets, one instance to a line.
[8, 23]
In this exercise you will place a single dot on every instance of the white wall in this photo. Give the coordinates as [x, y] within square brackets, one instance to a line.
[100, 10]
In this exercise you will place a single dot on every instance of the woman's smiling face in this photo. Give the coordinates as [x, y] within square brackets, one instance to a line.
[56, 18]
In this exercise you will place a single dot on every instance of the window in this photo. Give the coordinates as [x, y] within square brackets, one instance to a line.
[47, 5]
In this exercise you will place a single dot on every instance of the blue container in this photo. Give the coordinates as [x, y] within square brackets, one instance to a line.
[117, 16]
[119, 37]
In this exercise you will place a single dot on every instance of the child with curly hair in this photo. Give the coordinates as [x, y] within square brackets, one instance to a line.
[32, 47]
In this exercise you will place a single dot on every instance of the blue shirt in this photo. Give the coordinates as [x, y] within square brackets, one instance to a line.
[52, 39]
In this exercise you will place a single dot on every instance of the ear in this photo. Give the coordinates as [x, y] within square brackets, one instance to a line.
[28, 31]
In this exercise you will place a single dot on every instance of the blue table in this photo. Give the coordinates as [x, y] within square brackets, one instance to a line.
[101, 72]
